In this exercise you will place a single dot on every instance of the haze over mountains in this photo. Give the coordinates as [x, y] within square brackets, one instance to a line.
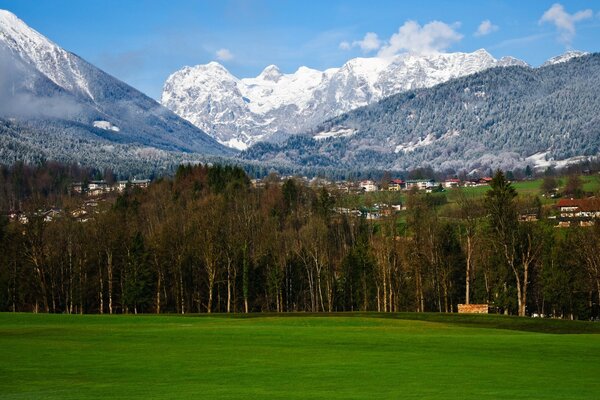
[55, 105]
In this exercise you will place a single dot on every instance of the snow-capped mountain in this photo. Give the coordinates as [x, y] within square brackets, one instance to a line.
[564, 57]
[504, 118]
[241, 112]
[54, 93]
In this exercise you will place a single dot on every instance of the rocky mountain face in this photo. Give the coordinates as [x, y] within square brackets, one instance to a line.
[241, 112]
[54, 94]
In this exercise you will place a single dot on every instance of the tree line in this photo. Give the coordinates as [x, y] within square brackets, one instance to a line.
[207, 241]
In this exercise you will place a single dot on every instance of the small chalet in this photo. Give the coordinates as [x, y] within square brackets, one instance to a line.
[50, 215]
[396, 185]
[368, 186]
[451, 183]
[581, 212]
[77, 187]
[140, 183]
[96, 188]
[421, 184]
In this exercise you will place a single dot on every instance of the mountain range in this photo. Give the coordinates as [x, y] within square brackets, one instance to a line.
[455, 111]
[274, 105]
[55, 105]
[498, 118]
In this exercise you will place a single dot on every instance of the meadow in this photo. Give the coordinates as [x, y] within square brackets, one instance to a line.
[525, 188]
[297, 356]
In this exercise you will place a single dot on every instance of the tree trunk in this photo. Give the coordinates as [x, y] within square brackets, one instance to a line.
[245, 277]
[468, 277]
[211, 285]
[109, 265]
[228, 286]
[101, 293]
[158, 288]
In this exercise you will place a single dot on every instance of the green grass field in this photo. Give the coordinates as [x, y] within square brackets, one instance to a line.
[368, 356]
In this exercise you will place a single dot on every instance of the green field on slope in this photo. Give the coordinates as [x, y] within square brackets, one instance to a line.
[366, 356]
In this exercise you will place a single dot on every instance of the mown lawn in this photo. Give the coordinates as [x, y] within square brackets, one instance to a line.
[349, 356]
[591, 183]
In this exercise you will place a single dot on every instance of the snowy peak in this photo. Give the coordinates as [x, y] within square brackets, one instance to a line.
[210, 71]
[511, 61]
[270, 73]
[564, 57]
[63, 68]
[215, 66]
[41, 81]
[245, 111]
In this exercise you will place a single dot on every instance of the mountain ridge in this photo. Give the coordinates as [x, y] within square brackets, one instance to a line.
[498, 118]
[241, 112]
[49, 91]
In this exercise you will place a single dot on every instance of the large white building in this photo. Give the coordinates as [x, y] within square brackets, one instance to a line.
[368, 186]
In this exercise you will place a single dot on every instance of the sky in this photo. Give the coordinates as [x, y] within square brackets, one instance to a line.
[143, 41]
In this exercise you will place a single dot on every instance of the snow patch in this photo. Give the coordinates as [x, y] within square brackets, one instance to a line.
[412, 146]
[426, 141]
[541, 160]
[107, 126]
[236, 144]
[335, 132]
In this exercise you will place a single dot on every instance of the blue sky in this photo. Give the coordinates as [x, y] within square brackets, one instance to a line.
[142, 42]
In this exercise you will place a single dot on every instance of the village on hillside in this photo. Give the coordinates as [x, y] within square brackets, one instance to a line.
[566, 211]
[91, 193]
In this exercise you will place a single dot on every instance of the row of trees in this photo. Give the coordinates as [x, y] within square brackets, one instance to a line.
[206, 241]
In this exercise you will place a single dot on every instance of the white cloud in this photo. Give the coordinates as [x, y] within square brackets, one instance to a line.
[485, 28]
[430, 38]
[224, 55]
[565, 22]
[368, 44]
[345, 45]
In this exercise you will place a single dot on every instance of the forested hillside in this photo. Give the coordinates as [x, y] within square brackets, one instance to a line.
[56, 106]
[493, 119]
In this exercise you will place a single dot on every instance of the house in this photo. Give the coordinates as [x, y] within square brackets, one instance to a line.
[140, 183]
[121, 186]
[347, 211]
[368, 186]
[451, 183]
[478, 181]
[583, 212]
[420, 184]
[77, 187]
[396, 185]
[19, 216]
[398, 207]
[370, 213]
[528, 217]
[51, 214]
[96, 188]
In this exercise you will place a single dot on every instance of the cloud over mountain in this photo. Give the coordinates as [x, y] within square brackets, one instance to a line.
[565, 22]
[432, 37]
[485, 28]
